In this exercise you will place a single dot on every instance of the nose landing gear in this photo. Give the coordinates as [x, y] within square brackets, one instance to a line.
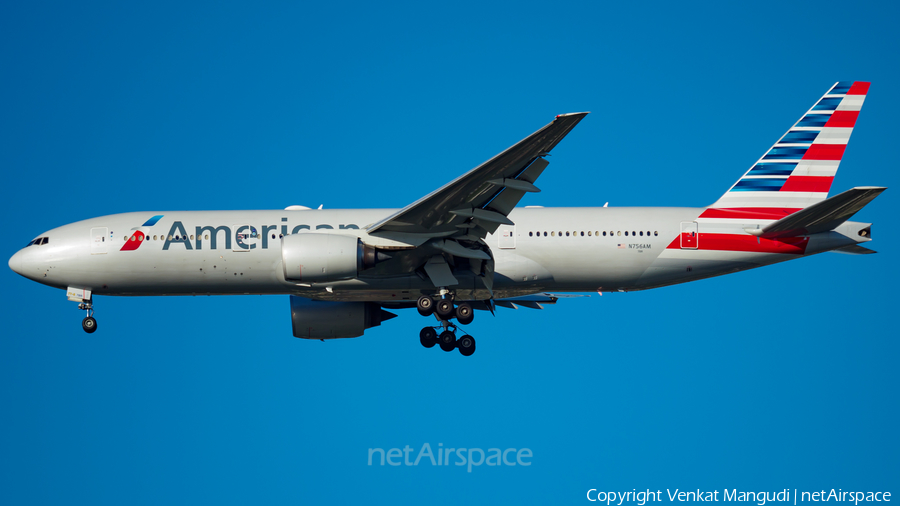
[89, 324]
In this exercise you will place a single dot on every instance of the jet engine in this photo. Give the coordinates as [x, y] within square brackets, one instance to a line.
[314, 319]
[314, 258]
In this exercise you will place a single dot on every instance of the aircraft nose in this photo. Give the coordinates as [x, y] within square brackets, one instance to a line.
[15, 263]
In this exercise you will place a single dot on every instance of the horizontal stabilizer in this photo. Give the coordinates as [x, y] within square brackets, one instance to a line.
[854, 249]
[822, 216]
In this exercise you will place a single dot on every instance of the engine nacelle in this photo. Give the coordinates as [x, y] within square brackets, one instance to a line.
[314, 258]
[314, 319]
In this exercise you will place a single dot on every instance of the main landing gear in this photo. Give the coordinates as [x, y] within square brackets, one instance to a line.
[444, 310]
[89, 324]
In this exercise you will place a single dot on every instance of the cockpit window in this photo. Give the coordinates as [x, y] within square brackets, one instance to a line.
[45, 240]
[37, 242]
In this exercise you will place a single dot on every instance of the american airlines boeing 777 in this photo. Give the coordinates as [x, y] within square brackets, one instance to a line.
[465, 246]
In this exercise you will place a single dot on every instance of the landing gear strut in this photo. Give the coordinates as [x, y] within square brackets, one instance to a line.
[89, 324]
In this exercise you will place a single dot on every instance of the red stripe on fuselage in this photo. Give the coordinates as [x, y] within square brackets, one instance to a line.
[758, 213]
[747, 243]
[825, 152]
[808, 184]
[859, 88]
[842, 119]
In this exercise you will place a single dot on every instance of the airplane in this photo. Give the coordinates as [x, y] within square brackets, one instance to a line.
[466, 246]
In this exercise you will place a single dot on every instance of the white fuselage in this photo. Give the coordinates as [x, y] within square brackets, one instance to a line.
[548, 249]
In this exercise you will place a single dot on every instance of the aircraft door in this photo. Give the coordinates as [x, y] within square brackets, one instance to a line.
[690, 238]
[506, 236]
[246, 238]
[99, 241]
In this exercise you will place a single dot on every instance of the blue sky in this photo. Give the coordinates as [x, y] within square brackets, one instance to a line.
[782, 377]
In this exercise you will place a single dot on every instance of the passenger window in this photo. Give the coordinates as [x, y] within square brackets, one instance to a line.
[589, 233]
[553, 234]
[582, 234]
[567, 233]
[620, 232]
[655, 232]
[642, 233]
[626, 233]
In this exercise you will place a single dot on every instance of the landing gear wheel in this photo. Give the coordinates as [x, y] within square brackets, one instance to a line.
[444, 309]
[464, 313]
[447, 340]
[89, 324]
[428, 337]
[466, 345]
[425, 305]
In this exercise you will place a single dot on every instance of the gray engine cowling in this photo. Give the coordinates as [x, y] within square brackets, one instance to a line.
[314, 258]
[314, 319]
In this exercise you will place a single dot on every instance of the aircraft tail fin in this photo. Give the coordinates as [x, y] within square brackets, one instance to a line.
[797, 171]
[822, 216]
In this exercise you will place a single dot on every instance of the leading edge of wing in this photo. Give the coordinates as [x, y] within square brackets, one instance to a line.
[453, 194]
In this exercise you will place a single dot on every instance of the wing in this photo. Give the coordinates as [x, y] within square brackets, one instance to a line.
[477, 202]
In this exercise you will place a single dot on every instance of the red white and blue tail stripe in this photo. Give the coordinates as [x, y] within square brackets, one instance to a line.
[798, 170]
